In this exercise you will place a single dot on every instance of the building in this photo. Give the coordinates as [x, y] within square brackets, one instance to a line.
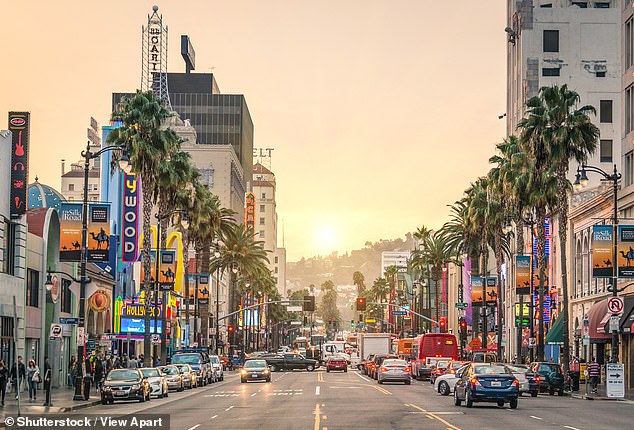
[73, 180]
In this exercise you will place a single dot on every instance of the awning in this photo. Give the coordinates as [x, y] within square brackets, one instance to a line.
[556, 333]
[598, 316]
[627, 320]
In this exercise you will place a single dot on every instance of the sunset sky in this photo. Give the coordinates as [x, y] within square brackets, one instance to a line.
[380, 112]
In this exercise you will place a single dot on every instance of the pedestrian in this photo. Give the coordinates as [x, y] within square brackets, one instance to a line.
[88, 372]
[71, 367]
[132, 363]
[158, 362]
[575, 373]
[140, 361]
[33, 378]
[18, 376]
[48, 375]
[99, 371]
[4, 377]
[594, 370]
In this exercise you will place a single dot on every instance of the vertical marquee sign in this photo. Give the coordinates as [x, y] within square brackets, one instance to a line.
[249, 211]
[19, 125]
[130, 218]
[602, 264]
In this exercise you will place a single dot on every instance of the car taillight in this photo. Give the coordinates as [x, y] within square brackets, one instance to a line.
[537, 379]
[452, 371]
[408, 369]
[383, 369]
[475, 382]
[517, 383]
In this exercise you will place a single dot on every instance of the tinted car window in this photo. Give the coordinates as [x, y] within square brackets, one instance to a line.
[122, 375]
[187, 359]
[547, 368]
[255, 364]
[491, 370]
[393, 362]
[150, 373]
[169, 370]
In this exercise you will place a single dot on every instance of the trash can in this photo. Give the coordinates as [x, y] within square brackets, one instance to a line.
[574, 378]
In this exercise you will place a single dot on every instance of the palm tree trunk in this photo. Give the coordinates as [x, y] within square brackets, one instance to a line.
[541, 266]
[147, 268]
[519, 243]
[562, 192]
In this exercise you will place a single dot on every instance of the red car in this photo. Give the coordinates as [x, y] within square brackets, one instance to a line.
[336, 363]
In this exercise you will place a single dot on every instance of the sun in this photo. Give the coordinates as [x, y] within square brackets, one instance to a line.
[326, 239]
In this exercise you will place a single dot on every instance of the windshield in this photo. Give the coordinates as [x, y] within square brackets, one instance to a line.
[214, 359]
[122, 375]
[169, 370]
[546, 368]
[491, 370]
[186, 358]
[255, 364]
[183, 368]
[150, 373]
[395, 363]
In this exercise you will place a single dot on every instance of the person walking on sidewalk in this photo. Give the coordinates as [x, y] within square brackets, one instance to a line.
[71, 368]
[594, 370]
[4, 378]
[48, 375]
[17, 376]
[33, 378]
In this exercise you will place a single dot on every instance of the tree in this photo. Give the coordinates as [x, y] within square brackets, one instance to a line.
[359, 281]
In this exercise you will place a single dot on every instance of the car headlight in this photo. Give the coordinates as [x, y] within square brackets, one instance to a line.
[136, 386]
[265, 371]
[107, 388]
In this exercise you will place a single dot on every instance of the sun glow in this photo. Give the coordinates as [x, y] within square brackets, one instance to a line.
[326, 239]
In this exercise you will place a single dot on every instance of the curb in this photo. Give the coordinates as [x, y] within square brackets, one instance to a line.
[79, 407]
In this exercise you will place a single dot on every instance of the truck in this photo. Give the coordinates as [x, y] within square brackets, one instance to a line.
[291, 361]
[334, 348]
[373, 343]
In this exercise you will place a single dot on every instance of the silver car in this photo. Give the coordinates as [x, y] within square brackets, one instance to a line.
[173, 377]
[393, 370]
[217, 366]
[519, 370]
[158, 384]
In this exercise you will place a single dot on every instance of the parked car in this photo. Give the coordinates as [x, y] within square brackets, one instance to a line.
[336, 363]
[199, 361]
[394, 370]
[255, 370]
[216, 363]
[173, 377]
[125, 384]
[520, 370]
[444, 384]
[190, 377]
[158, 383]
[545, 377]
[487, 382]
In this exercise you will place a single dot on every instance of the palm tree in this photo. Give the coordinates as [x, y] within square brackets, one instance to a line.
[149, 145]
[359, 281]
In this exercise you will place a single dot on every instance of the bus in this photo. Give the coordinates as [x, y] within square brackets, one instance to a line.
[404, 347]
[428, 349]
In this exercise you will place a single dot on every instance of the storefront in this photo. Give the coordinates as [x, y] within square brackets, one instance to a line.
[600, 342]
[627, 340]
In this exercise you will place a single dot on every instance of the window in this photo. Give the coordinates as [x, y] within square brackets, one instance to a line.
[605, 111]
[8, 262]
[606, 150]
[261, 208]
[628, 43]
[276, 270]
[71, 187]
[581, 4]
[263, 196]
[602, 4]
[261, 235]
[276, 259]
[32, 287]
[65, 296]
[207, 177]
[262, 220]
[629, 100]
[551, 40]
[600, 74]
[628, 169]
[550, 71]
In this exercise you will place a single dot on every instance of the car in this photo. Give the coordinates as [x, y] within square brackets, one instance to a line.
[439, 369]
[377, 361]
[216, 363]
[394, 370]
[483, 357]
[255, 370]
[486, 382]
[336, 363]
[173, 377]
[291, 361]
[520, 370]
[444, 384]
[189, 375]
[365, 364]
[199, 361]
[225, 360]
[124, 384]
[158, 383]
[545, 377]
[283, 349]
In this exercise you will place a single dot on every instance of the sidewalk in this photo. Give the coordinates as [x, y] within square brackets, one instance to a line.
[61, 398]
[599, 395]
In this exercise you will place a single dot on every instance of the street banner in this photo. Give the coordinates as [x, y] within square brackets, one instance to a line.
[98, 232]
[130, 218]
[19, 126]
[167, 269]
[523, 274]
[602, 265]
[203, 289]
[70, 231]
[476, 291]
[625, 251]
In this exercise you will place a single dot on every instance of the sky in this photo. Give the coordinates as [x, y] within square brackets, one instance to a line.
[380, 112]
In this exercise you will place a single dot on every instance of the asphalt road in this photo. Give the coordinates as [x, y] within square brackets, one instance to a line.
[321, 401]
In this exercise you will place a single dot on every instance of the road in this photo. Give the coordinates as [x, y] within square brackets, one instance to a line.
[321, 401]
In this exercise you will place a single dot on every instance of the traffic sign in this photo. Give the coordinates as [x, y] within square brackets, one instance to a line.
[155, 339]
[614, 322]
[68, 320]
[532, 342]
[462, 305]
[615, 380]
[615, 305]
[56, 331]
[399, 313]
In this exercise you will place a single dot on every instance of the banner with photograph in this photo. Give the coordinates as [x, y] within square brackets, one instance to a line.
[167, 270]
[625, 251]
[98, 231]
[70, 231]
[476, 290]
[523, 274]
[602, 265]
[203, 289]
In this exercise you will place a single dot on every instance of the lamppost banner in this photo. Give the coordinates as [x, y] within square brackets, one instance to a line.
[522, 274]
[476, 290]
[626, 251]
[70, 231]
[19, 125]
[602, 265]
[203, 289]
[98, 232]
[167, 269]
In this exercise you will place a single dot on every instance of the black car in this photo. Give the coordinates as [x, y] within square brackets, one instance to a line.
[255, 370]
[125, 384]
[545, 377]
[487, 382]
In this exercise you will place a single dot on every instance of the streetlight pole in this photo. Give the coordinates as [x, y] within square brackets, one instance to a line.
[581, 181]
[217, 255]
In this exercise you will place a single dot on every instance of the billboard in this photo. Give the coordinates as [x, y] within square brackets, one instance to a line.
[476, 290]
[523, 274]
[70, 231]
[19, 125]
[130, 218]
[137, 325]
[625, 251]
[602, 265]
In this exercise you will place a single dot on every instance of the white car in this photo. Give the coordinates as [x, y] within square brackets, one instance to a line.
[519, 371]
[157, 381]
[217, 366]
[445, 384]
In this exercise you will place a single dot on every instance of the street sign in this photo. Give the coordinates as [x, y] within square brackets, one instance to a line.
[294, 308]
[586, 341]
[462, 305]
[56, 331]
[168, 287]
[399, 313]
[615, 380]
[296, 323]
[370, 320]
[80, 336]
[68, 320]
[155, 339]
[614, 322]
[532, 342]
[615, 305]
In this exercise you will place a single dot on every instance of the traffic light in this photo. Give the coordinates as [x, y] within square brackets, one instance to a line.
[443, 324]
[309, 304]
[463, 329]
[361, 304]
[230, 329]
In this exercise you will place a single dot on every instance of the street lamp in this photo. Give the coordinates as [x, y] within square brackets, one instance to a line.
[581, 181]
[217, 256]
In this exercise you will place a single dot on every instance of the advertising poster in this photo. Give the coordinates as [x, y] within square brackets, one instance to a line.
[70, 231]
[98, 232]
[130, 218]
[602, 265]
[625, 251]
[203, 289]
[167, 269]
[476, 291]
[523, 274]
[249, 211]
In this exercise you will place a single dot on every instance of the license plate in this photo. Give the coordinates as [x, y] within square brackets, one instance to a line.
[118, 393]
[254, 375]
[496, 384]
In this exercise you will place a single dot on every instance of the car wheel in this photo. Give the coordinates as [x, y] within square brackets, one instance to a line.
[310, 367]
[268, 380]
[242, 381]
[443, 388]
[468, 399]
[533, 393]
[500, 403]
[551, 391]
[513, 403]
[345, 370]
[273, 368]
[160, 396]
[456, 400]
[111, 401]
[380, 382]
[142, 399]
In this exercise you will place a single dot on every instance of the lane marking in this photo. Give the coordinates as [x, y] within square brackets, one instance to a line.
[537, 418]
[317, 389]
[382, 390]
[362, 377]
[317, 417]
[433, 415]
[228, 409]
[215, 416]
[253, 394]
[571, 427]
[195, 427]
